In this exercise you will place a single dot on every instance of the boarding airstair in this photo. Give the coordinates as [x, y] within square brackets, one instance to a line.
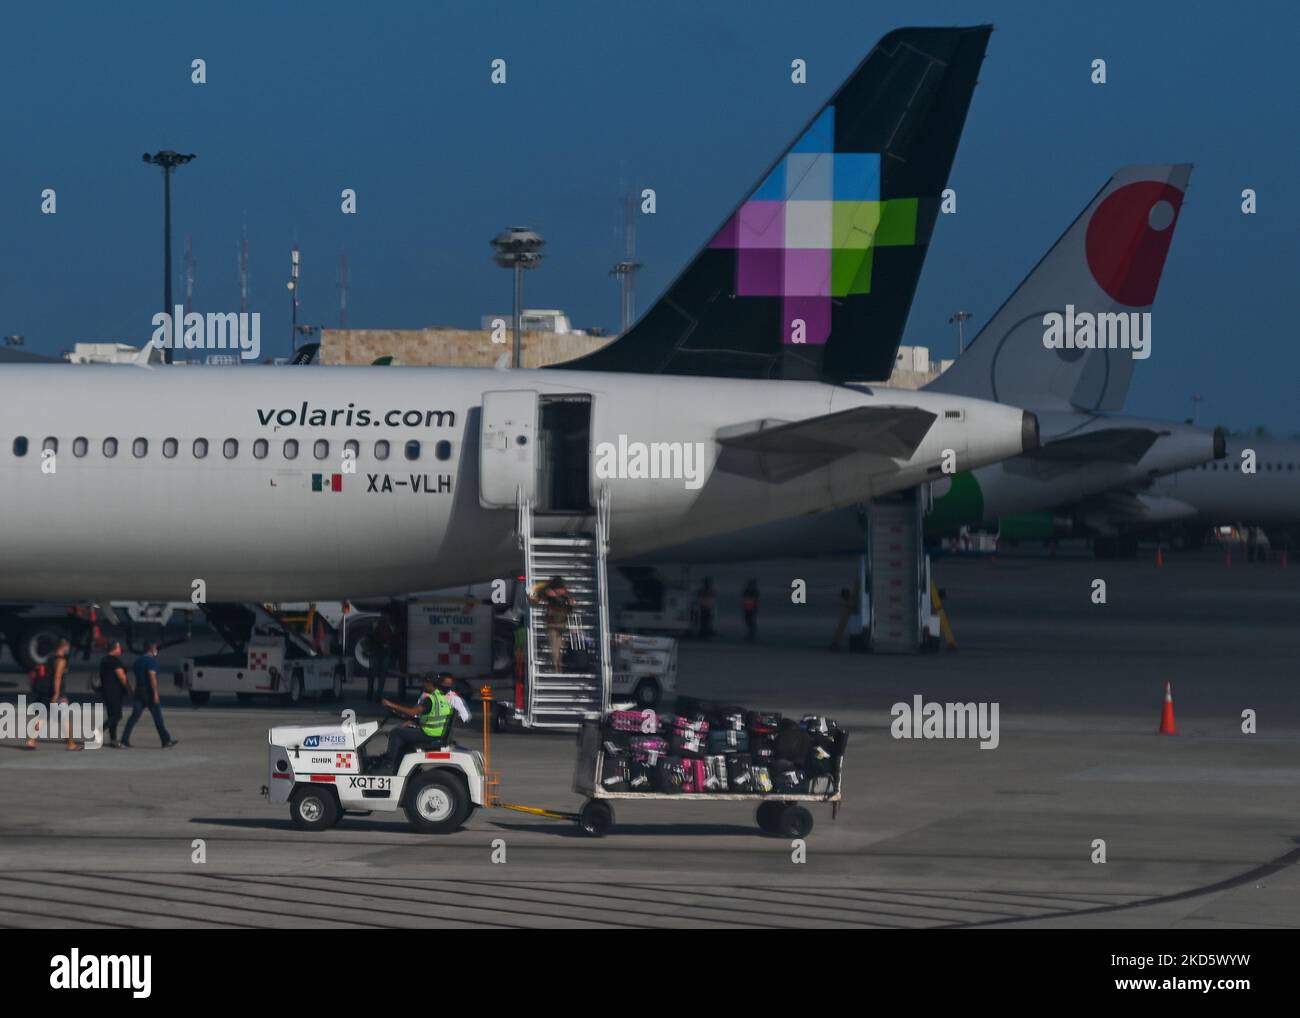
[902, 619]
[580, 689]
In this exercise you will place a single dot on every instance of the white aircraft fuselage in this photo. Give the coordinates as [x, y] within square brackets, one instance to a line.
[251, 522]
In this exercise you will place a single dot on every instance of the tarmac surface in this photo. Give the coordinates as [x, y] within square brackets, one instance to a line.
[1200, 829]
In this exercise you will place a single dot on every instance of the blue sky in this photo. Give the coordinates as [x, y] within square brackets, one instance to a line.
[691, 99]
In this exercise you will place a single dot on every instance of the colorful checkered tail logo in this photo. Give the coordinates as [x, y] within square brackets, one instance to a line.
[812, 275]
[1106, 265]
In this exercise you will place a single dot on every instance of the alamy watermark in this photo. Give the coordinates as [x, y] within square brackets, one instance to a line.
[683, 461]
[77, 971]
[60, 721]
[239, 331]
[921, 720]
[1106, 330]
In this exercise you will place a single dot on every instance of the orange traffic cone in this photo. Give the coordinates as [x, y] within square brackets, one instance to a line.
[1167, 726]
[1160, 556]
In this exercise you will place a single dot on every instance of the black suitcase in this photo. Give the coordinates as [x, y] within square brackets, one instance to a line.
[762, 722]
[762, 748]
[822, 755]
[740, 773]
[693, 707]
[641, 775]
[616, 772]
[732, 720]
[788, 778]
[670, 775]
[792, 743]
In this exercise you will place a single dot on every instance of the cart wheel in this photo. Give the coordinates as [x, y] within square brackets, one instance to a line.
[768, 816]
[796, 822]
[596, 818]
[314, 809]
[500, 723]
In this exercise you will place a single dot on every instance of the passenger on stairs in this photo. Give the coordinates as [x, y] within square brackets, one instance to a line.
[554, 596]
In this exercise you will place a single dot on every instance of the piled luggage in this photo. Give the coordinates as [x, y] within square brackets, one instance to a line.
[703, 747]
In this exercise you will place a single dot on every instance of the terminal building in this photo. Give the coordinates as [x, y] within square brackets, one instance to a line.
[548, 339]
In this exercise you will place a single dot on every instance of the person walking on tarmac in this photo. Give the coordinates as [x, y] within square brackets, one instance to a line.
[707, 599]
[52, 689]
[749, 606]
[429, 725]
[379, 648]
[114, 687]
[147, 697]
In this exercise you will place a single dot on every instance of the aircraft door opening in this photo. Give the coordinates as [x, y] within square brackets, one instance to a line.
[507, 448]
[564, 458]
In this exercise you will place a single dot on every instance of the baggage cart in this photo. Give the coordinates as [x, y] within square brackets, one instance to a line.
[781, 813]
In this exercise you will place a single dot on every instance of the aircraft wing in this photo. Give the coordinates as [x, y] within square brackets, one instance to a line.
[1132, 506]
[1113, 445]
[780, 450]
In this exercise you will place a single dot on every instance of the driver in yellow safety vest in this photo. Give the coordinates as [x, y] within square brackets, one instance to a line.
[429, 725]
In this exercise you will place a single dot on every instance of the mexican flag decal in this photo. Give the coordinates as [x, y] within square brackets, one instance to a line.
[326, 482]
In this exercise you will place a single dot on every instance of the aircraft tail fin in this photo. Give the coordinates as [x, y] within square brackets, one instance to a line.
[812, 276]
[1099, 278]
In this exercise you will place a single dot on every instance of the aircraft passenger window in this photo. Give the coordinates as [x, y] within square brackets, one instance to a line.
[381, 449]
[50, 445]
[291, 448]
[170, 448]
[413, 450]
[352, 446]
[140, 448]
[200, 448]
[321, 449]
[20, 446]
[230, 448]
[442, 450]
[260, 448]
[110, 448]
[80, 446]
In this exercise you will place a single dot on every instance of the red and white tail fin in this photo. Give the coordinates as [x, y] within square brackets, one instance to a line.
[1109, 261]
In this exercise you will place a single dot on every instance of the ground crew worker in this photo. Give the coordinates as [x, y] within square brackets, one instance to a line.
[430, 722]
[379, 647]
[447, 683]
[848, 606]
[707, 599]
[749, 607]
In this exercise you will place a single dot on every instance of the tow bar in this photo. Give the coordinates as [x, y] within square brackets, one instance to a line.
[492, 779]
